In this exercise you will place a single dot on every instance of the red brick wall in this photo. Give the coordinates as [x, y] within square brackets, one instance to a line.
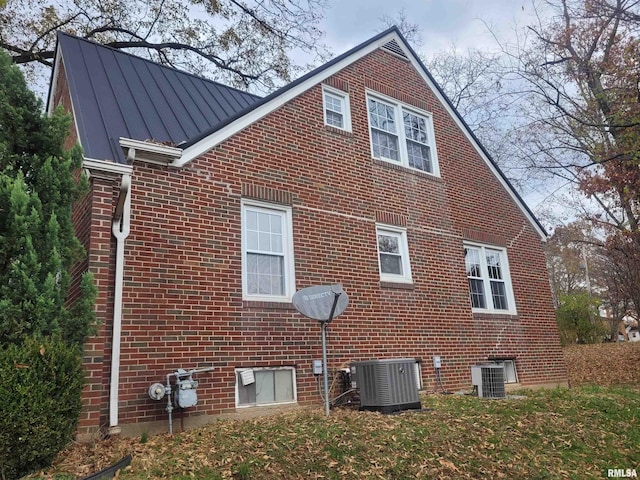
[183, 302]
[92, 224]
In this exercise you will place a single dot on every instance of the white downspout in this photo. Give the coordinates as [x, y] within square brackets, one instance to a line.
[120, 229]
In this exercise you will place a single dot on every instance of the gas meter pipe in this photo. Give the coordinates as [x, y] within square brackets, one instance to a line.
[167, 389]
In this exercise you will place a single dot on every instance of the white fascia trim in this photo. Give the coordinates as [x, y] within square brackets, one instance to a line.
[158, 153]
[54, 86]
[106, 166]
[206, 144]
[54, 82]
[465, 130]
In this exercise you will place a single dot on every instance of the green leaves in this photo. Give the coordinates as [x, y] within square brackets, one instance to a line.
[579, 319]
[40, 382]
[38, 246]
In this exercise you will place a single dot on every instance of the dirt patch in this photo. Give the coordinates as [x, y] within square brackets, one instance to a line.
[603, 364]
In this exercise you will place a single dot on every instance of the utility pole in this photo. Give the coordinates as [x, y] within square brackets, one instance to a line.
[586, 269]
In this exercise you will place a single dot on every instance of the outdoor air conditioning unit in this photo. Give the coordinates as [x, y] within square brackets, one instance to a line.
[386, 385]
[489, 379]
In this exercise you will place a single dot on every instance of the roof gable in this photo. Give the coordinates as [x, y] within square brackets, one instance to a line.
[115, 94]
[391, 41]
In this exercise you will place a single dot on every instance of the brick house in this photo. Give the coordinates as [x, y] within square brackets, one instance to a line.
[209, 207]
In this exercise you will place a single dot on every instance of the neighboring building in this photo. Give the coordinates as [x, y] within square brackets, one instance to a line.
[209, 207]
[628, 330]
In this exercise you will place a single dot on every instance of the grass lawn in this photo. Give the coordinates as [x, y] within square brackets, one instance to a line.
[562, 433]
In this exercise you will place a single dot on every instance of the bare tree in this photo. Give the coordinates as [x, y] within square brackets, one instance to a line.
[579, 71]
[246, 43]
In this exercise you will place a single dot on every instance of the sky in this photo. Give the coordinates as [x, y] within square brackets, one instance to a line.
[442, 22]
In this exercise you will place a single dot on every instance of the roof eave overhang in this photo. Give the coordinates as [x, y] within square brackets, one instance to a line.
[105, 169]
[149, 152]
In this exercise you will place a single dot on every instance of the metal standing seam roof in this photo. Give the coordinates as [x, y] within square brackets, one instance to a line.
[116, 94]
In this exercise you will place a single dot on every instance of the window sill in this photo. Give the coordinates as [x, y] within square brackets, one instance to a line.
[339, 131]
[265, 406]
[402, 168]
[268, 304]
[397, 285]
[488, 315]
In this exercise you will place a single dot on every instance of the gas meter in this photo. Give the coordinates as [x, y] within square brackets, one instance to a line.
[185, 394]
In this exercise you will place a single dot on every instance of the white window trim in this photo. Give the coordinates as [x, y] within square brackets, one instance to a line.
[506, 273]
[402, 143]
[287, 244]
[403, 246]
[255, 369]
[346, 114]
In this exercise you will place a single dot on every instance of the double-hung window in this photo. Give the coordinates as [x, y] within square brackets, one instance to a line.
[489, 281]
[401, 135]
[267, 252]
[393, 254]
[336, 108]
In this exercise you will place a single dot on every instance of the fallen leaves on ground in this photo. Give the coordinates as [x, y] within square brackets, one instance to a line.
[560, 433]
[603, 364]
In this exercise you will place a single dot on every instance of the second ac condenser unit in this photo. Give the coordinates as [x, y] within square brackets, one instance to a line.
[489, 379]
[386, 385]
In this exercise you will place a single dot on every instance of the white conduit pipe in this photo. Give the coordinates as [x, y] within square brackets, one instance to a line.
[120, 230]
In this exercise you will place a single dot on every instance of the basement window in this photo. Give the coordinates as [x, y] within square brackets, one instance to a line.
[509, 364]
[265, 386]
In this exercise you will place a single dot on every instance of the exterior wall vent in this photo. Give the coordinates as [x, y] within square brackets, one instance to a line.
[489, 379]
[394, 48]
[386, 385]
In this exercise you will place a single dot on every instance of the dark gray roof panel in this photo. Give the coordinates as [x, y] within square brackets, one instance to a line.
[116, 94]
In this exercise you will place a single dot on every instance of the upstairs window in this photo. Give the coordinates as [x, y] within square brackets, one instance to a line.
[336, 108]
[393, 254]
[267, 253]
[489, 281]
[401, 135]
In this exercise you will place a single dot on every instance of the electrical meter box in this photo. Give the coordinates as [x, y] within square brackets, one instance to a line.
[317, 367]
[185, 394]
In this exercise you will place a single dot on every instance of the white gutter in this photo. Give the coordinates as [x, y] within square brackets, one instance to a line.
[120, 229]
[147, 152]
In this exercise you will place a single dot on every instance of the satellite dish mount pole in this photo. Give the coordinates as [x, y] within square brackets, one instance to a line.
[323, 325]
